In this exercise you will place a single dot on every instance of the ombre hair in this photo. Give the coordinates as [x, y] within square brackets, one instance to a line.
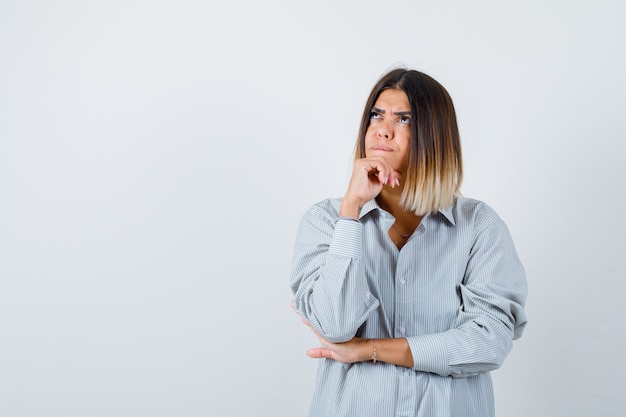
[435, 168]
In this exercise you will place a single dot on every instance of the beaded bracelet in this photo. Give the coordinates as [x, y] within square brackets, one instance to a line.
[373, 350]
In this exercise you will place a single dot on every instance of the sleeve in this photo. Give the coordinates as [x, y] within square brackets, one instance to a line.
[327, 278]
[491, 315]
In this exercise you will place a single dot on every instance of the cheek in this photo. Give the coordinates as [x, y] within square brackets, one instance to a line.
[406, 138]
[406, 148]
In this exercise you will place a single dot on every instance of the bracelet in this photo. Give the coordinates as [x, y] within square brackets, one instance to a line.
[373, 350]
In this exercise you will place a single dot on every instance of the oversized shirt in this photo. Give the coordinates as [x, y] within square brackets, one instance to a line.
[456, 291]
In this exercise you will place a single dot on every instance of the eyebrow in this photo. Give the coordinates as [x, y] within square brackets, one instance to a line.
[396, 113]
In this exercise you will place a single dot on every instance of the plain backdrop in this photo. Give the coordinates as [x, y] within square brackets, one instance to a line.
[156, 157]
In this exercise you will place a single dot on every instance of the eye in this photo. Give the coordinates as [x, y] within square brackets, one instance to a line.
[375, 115]
[405, 120]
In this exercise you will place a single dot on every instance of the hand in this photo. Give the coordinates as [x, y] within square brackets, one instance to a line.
[394, 351]
[356, 350]
[368, 177]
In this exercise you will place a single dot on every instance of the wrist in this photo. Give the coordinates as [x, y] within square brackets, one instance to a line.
[374, 353]
[367, 347]
[350, 208]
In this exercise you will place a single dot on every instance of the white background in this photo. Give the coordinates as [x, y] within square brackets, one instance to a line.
[156, 157]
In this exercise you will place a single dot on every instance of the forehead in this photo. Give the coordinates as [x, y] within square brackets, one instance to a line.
[392, 98]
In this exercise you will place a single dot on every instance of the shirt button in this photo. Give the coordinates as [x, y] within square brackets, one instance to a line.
[402, 281]
[402, 330]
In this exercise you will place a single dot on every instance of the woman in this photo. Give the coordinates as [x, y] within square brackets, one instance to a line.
[414, 292]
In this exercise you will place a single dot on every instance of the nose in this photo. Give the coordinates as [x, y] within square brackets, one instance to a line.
[384, 131]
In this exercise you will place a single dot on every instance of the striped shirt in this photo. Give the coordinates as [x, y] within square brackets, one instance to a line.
[455, 291]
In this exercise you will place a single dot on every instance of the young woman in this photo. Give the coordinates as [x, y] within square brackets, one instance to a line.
[414, 292]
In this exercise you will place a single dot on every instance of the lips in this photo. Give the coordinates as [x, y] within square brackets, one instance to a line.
[381, 148]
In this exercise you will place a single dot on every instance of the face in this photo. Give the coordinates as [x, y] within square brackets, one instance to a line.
[389, 132]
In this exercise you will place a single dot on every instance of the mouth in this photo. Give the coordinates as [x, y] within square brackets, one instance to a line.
[381, 148]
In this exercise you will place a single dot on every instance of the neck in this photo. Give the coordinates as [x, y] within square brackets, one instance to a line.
[390, 197]
[389, 200]
[406, 221]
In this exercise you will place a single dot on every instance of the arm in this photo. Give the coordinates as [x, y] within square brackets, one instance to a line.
[491, 316]
[328, 280]
[394, 351]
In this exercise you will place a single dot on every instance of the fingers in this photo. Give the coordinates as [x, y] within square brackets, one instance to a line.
[319, 353]
[375, 168]
[305, 321]
[368, 178]
[323, 341]
[380, 169]
[395, 179]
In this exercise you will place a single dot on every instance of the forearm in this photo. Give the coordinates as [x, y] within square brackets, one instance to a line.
[328, 281]
[393, 351]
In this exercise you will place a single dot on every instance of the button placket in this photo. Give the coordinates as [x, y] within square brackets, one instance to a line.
[401, 295]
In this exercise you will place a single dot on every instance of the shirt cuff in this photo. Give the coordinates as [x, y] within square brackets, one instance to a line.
[347, 238]
[430, 353]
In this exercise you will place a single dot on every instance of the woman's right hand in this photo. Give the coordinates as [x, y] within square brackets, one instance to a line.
[368, 178]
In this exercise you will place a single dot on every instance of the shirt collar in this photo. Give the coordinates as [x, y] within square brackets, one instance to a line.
[447, 213]
[367, 207]
[373, 205]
